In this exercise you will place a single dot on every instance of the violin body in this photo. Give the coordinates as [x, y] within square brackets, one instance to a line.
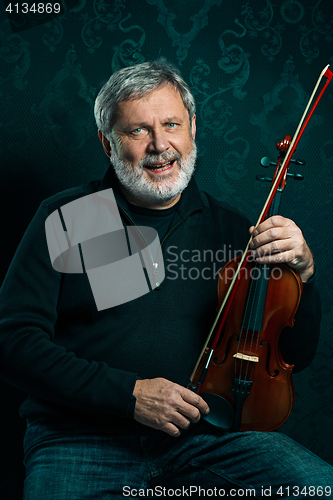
[240, 372]
[249, 386]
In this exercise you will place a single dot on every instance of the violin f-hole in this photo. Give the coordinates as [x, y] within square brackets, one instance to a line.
[226, 353]
[268, 359]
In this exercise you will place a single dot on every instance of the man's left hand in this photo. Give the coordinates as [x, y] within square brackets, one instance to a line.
[278, 239]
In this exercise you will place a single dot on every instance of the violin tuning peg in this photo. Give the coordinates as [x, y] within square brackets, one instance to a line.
[296, 177]
[266, 162]
[297, 162]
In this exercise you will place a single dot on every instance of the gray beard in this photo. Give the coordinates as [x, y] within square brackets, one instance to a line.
[151, 191]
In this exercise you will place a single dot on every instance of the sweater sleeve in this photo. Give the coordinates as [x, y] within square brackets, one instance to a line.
[30, 359]
[299, 343]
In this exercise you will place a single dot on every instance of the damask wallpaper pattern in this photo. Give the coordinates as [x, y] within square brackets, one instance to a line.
[251, 66]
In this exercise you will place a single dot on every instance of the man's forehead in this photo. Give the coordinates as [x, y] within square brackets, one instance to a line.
[165, 102]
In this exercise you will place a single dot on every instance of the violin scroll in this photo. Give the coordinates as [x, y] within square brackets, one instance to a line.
[283, 146]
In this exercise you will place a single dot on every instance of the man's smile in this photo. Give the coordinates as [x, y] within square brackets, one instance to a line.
[160, 168]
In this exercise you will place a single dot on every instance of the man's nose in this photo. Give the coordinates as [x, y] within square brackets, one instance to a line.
[158, 141]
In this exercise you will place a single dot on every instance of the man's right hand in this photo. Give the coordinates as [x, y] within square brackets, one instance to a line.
[166, 406]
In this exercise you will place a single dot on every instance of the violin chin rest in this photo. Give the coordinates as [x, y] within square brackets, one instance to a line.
[221, 412]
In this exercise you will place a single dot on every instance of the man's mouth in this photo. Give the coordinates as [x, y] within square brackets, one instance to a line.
[161, 167]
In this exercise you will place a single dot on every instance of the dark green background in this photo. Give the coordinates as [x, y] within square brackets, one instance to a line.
[251, 66]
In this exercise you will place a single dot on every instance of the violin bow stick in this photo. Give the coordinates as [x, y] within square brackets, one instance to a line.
[241, 267]
[297, 136]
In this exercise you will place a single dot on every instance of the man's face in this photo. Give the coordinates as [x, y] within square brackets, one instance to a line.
[152, 148]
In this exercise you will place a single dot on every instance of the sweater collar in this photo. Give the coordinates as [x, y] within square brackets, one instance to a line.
[190, 199]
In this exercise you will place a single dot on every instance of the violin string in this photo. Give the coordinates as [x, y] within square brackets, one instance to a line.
[249, 307]
[253, 310]
[259, 299]
[241, 337]
[239, 362]
[253, 315]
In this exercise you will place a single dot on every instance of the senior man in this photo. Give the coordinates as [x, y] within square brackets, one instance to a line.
[108, 413]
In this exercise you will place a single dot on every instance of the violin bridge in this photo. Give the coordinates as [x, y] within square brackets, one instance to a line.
[239, 355]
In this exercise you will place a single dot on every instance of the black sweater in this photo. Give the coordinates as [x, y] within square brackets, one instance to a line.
[78, 363]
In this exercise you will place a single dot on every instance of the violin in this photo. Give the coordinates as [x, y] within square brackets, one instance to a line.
[240, 372]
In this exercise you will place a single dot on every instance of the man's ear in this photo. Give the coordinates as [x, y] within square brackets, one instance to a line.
[193, 126]
[106, 143]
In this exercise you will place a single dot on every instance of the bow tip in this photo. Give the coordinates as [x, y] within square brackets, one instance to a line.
[327, 72]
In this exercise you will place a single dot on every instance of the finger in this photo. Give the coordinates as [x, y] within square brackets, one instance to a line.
[181, 421]
[190, 412]
[296, 263]
[281, 238]
[279, 246]
[187, 404]
[273, 222]
[195, 400]
[287, 257]
[270, 237]
[171, 429]
[274, 226]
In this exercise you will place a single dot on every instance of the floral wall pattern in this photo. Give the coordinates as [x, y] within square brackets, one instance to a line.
[251, 66]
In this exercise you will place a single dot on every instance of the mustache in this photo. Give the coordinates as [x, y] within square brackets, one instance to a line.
[161, 158]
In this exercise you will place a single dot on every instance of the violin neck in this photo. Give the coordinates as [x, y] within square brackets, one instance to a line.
[259, 283]
[275, 206]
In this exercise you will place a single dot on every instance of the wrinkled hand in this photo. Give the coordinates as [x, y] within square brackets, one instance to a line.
[166, 406]
[279, 240]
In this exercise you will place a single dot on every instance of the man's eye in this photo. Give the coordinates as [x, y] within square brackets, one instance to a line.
[137, 131]
[171, 125]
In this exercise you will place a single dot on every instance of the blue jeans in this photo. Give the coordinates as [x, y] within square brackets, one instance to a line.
[69, 462]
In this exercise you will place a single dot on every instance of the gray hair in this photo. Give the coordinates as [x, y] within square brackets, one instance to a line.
[134, 82]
